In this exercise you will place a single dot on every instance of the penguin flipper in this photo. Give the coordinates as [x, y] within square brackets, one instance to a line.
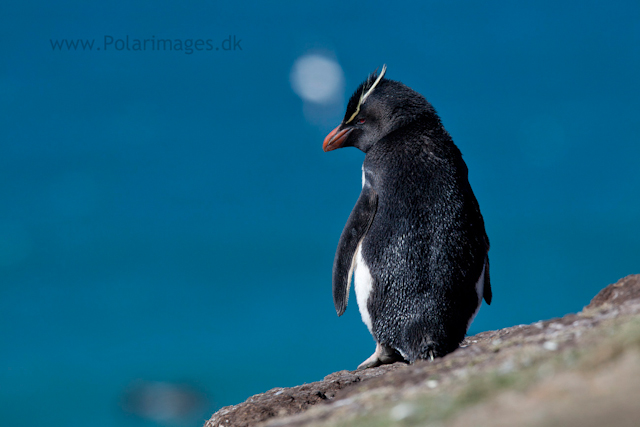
[487, 283]
[357, 225]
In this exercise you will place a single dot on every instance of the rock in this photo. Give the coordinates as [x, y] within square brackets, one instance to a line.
[625, 289]
[521, 375]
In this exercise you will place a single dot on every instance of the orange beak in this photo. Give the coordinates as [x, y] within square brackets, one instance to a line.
[335, 139]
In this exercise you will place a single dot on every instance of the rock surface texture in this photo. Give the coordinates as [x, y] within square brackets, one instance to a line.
[579, 370]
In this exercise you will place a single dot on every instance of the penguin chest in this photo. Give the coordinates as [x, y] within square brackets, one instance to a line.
[363, 284]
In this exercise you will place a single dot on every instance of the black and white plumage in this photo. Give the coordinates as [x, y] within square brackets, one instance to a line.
[415, 240]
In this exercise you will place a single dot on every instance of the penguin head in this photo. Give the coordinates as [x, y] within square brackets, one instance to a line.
[377, 107]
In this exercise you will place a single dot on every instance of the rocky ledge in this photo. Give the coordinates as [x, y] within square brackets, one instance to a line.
[578, 370]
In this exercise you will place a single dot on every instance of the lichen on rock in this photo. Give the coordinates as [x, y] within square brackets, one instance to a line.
[580, 369]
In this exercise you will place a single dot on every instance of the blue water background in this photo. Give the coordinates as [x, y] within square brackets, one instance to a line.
[171, 217]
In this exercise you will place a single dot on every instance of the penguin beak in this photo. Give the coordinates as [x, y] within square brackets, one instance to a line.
[336, 139]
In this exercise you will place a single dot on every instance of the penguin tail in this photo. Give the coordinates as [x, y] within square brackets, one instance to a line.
[423, 341]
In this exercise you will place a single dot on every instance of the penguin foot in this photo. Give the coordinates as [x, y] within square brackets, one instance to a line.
[382, 356]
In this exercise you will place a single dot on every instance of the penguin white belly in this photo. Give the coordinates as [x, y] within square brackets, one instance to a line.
[480, 292]
[363, 283]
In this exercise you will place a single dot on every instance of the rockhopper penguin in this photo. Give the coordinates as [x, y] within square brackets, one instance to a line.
[415, 240]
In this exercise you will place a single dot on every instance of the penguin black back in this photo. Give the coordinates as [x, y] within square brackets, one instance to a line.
[416, 238]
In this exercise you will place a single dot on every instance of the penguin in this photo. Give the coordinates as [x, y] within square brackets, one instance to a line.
[415, 241]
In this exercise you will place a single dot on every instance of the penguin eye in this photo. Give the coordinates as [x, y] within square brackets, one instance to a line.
[361, 121]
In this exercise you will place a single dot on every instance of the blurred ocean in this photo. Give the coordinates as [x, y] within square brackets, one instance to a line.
[168, 219]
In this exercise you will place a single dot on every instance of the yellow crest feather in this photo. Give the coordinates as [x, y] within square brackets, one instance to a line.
[366, 94]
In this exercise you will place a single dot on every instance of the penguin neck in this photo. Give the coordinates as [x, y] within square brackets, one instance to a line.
[424, 121]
